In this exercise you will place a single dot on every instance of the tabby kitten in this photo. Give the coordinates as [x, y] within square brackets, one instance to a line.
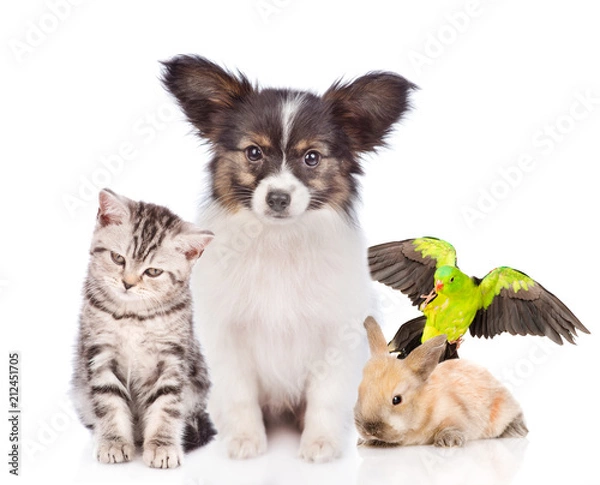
[140, 379]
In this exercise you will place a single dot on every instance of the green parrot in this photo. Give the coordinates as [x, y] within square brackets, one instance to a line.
[505, 300]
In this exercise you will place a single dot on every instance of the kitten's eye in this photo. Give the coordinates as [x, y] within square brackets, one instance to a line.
[153, 272]
[254, 153]
[117, 258]
[396, 400]
[312, 158]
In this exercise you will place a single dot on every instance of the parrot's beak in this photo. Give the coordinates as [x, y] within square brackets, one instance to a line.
[439, 285]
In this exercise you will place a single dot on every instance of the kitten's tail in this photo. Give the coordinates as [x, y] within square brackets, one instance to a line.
[199, 431]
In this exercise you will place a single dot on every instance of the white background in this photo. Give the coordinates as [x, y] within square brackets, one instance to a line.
[80, 85]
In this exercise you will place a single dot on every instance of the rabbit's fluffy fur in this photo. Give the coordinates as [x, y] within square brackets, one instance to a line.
[418, 401]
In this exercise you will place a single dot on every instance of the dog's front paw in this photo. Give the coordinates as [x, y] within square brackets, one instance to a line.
[114, 451]
[160, 456]
[319, 450]
[241, 447]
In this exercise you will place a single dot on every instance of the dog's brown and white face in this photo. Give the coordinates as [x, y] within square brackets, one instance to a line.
[281, 152]
[281, 158]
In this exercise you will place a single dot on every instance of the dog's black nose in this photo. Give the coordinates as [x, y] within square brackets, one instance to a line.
[278, 201]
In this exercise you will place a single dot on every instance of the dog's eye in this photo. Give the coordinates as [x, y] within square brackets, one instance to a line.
[312, 158]
[396, 400]
[254, 153]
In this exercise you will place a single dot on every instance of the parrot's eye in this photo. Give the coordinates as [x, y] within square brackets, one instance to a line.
[396, 400]
[452, 280]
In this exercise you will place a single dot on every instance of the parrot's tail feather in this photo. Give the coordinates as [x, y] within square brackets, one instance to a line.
[408, 337]
[450, 353]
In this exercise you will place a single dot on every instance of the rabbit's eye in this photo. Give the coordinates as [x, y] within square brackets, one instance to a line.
[396, 400]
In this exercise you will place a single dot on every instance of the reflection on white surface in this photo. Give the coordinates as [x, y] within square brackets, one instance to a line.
[484, 462]
[489, 462]
[552, 453]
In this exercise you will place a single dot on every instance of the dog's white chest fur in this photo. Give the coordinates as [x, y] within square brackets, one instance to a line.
[284, 299]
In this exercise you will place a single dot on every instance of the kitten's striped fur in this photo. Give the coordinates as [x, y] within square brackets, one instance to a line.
[140, 378]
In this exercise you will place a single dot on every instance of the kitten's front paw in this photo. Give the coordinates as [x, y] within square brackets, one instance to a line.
[113, 451]
[319, 450]
[245, 446]
[160, 456]
[449, 438]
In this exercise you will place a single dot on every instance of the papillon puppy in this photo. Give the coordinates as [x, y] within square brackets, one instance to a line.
[283, 290]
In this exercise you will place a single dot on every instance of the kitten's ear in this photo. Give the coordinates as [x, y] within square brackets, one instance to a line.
[192, 241]
[113, 208]
[204, 91]
[366, 108]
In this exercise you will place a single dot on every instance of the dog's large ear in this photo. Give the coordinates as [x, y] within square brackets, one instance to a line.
[367, 108]
[204, 91]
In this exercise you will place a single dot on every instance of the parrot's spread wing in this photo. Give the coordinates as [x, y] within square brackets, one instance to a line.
[515, 303]
[409, 265]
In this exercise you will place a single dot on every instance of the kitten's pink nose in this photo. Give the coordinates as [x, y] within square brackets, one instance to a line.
[129, 280]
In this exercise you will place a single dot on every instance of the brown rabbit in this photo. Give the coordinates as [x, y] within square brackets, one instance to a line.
[417, 401]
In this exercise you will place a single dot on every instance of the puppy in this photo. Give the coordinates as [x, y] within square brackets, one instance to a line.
[284, 288]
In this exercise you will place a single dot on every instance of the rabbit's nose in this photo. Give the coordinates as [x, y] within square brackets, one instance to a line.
[373, 427]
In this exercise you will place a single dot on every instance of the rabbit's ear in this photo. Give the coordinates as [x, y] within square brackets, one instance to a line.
[377, 342]
[426, 357]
